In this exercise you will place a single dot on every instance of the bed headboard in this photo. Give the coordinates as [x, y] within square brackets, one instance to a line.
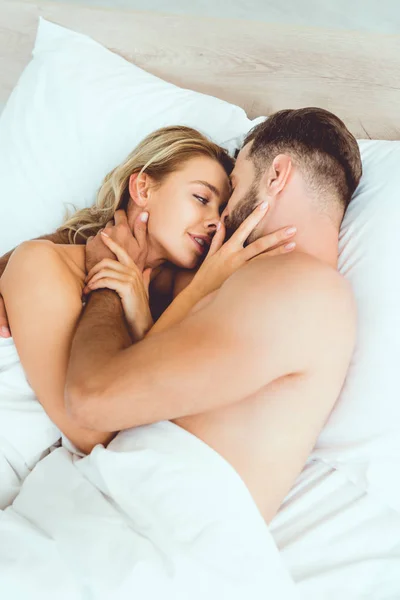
[262, 67]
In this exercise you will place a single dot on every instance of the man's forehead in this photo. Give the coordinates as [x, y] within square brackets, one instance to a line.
[241, 159]
[244, 152]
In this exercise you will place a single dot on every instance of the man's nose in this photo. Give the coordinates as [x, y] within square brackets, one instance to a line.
[224, 215]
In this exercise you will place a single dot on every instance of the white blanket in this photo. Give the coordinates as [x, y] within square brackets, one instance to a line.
[158, 514]
[337, 540]
[26, 432]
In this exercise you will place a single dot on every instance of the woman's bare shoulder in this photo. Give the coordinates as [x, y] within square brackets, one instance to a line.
[74, 255]
[45, 253]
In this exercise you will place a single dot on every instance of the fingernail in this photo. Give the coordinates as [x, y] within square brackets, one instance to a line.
[219, 225]
[290, 231]
[144, 217]
[263, 205]
[104, 233]
[290, 246]
[5, 332]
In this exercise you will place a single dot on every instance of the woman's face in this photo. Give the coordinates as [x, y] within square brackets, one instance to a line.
[184, 211]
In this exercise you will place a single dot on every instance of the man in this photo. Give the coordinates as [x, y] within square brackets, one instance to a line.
[255, 371]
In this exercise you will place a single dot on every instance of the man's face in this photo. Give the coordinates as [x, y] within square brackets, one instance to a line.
[245, 194]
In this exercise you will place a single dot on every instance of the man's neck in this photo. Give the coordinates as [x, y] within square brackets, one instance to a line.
[317, 234]
[319, 239]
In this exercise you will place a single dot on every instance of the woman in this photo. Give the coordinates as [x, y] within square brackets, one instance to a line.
[183, 181]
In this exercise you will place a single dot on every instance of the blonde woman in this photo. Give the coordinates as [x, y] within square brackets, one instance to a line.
[183, 180]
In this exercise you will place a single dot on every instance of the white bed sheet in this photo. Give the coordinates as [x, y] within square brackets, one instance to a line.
[26, 432]
[338, 541]
[158, 514]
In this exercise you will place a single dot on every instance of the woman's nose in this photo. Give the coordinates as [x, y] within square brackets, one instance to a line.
[211, 224]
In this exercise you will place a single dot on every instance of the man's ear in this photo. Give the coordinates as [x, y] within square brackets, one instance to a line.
[276, 177]
[139, 189]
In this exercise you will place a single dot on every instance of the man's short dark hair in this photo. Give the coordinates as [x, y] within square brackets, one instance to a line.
[319, 141]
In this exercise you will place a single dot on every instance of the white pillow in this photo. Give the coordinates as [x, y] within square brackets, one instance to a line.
[77, 111]
[362, 436]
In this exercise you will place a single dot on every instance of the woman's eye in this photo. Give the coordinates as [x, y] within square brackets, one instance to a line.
[201, 199]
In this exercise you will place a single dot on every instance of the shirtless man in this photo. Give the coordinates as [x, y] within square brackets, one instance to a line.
[255, 370]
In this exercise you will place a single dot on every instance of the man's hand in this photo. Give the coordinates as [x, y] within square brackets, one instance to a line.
[96, 251]
[4, 327]
[134, 244]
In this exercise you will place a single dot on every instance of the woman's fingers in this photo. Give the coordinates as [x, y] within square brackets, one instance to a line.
[268, 243]
[218, 239]
[106, 263]
[126, 275]
[245, 229]
[147, 279]
[285, 249]
[119, 252]
[110, 283]
[140, 229]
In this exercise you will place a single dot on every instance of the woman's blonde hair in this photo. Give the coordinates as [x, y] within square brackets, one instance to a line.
[159, 154]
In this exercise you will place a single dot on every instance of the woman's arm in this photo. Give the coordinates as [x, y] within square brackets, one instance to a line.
[59, 237]
[43, 301]
[182, 304]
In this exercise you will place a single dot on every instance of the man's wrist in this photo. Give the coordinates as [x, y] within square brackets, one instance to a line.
[105, 297]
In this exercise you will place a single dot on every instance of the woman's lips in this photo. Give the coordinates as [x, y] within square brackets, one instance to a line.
[202, 248]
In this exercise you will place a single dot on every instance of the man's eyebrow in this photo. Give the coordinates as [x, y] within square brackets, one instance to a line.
[209, 185]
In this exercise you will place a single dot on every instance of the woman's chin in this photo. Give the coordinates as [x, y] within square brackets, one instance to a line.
[187, 262]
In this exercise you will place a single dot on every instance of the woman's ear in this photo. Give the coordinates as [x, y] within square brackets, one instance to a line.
[139, 189]
[276, 177]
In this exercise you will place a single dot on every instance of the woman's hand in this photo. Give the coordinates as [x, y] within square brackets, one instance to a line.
[223, 259]
[124, 277]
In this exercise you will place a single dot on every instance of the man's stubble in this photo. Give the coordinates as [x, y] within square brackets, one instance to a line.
[241, 211]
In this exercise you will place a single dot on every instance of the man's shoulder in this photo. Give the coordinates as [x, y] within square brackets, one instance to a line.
[296, 285]
[299, 272]
[298, 306]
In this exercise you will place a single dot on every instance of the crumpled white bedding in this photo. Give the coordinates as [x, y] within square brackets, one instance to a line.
[158, 514]
[26, 432]
[337, 540]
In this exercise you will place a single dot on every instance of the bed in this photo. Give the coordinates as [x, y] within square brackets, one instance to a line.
[338, 530]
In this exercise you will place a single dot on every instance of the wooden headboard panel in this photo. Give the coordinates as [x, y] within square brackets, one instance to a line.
[262, 67]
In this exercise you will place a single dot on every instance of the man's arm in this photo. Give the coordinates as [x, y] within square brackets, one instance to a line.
[238, 343]
[44, 302]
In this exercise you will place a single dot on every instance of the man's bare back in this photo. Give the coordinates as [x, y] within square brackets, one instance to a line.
[268, 436]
